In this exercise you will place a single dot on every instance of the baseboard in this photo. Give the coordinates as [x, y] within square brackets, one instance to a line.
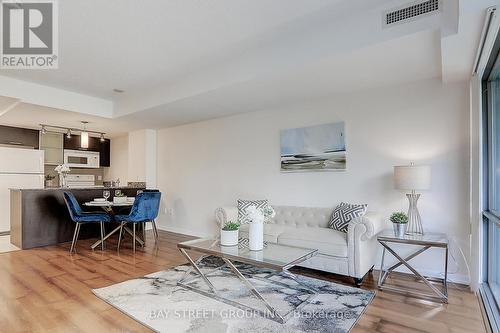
[455, 278]
[183, 231]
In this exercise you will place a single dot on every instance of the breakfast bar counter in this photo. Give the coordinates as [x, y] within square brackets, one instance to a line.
[39, 217]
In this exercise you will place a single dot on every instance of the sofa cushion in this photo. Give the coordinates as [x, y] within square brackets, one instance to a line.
[345, 213]
[271, 231]
[244, 204]
[327, 241]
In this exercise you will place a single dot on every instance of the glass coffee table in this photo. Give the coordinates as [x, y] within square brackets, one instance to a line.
[276, 257]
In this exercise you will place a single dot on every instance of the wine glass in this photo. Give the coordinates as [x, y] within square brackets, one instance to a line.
[106, 194]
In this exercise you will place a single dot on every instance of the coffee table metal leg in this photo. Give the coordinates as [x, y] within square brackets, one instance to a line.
[197, 269]
[253, 290]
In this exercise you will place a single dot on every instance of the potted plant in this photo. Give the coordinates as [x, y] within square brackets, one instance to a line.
[49, 180]
[119, 197]
[229, 234]
[399, 221]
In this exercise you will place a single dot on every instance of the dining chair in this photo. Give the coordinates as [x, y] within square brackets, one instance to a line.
[145, 209]
[80, 217]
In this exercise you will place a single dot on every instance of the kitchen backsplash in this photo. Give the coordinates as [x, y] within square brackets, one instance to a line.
[98, 173]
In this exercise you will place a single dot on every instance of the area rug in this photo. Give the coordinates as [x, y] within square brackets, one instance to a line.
[157, 302]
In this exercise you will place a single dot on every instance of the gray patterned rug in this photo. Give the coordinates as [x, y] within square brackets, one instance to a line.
[157, 302]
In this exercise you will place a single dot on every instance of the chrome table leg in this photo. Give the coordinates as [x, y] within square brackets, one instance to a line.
[443, 296]
[96, 244]
[197, 269]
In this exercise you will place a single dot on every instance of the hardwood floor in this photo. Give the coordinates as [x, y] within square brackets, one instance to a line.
[48, 290]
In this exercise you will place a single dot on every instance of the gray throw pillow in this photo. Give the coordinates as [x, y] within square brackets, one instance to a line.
[244, 204]
[345, 213]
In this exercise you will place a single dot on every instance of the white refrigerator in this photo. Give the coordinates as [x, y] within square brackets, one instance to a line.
[19, 169]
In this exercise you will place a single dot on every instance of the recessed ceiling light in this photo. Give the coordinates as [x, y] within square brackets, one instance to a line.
[118, 91]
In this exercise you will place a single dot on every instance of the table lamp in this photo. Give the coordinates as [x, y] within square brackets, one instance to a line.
[413, 178]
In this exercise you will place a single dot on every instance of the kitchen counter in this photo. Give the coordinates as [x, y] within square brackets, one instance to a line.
[39, 217]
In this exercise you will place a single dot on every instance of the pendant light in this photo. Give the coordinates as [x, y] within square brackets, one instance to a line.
[84, 137]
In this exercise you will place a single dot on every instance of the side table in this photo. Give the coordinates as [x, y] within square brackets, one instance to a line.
[387, 238]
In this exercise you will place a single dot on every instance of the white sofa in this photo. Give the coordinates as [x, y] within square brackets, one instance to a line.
[351, 254]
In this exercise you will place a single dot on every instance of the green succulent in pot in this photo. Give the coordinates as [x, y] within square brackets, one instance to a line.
[231, 226]
[399, 221]
[399, 217]
[229, 234]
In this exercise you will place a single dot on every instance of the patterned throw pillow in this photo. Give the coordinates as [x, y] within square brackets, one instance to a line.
[244, 204]
[345, 213]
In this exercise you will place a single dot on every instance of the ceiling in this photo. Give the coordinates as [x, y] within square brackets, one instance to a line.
[182, 61]
[135, 45]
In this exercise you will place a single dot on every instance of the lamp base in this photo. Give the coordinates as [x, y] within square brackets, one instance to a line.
[414, 220]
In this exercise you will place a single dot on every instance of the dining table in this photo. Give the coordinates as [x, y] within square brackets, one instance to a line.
[108, 206]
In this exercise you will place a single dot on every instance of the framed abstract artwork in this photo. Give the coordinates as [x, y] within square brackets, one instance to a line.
[314, 148]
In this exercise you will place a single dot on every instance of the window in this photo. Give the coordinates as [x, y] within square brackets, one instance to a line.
[490, 290]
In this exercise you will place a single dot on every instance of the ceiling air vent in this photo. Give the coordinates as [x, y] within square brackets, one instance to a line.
[412, 11]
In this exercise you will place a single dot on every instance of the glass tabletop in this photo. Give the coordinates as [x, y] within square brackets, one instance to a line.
[274, 256]
[428, 238]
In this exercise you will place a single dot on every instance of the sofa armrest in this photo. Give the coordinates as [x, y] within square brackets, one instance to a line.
[362, 244]
[366, 226]
[225, 214]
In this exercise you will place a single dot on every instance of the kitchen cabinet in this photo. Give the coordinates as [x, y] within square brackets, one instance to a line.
[52, 144]
[19, 137]
[95, 144]
[105, 153]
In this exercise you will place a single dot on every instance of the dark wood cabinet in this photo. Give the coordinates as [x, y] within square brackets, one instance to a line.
[105, 153]
[72, 143]
[95, 144]
[19, 136]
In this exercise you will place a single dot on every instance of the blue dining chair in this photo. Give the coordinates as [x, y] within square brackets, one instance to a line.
[80, 217]
[145, 209]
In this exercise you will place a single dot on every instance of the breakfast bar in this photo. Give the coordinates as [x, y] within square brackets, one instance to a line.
[39, 217]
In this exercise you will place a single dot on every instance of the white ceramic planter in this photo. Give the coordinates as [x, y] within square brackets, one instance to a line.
[228, 237]
[256, 236]
[120, 200]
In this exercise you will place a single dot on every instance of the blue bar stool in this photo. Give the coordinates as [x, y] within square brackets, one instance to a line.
[80, 217]
[145, 209]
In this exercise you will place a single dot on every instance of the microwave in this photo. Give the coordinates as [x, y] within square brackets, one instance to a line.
[81, 159]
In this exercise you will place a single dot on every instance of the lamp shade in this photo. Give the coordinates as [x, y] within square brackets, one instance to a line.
[84, 140]
[412, 177]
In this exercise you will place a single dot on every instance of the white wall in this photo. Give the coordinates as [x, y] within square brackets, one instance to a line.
[133, 158]
[142, 157]
[205, 165]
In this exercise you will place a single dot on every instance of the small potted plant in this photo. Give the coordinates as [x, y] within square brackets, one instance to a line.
[49, 180]
[229, 234]
[399, 221]
[119, 198]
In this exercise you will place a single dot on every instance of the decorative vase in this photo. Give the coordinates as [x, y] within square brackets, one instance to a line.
[63, 179]
[399, 229]
[256, 235]
[228, 237]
